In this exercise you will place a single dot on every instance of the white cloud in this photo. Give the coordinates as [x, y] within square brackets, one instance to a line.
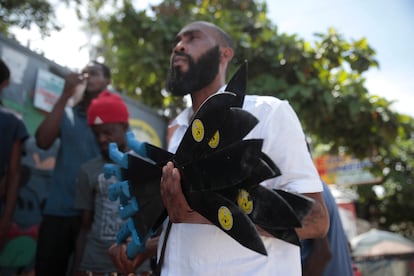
[64, 47]
[396, 87]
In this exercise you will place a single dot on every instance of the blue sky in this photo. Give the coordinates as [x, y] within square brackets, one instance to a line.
[388, 26]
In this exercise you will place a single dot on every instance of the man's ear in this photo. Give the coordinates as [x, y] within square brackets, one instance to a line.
[227, 53]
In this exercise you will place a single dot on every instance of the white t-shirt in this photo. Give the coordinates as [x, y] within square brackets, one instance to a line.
[200, 249]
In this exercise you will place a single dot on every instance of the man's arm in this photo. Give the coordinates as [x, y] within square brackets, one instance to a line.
[12, 188]
[319, 256]
[316, 222]
[48, 130]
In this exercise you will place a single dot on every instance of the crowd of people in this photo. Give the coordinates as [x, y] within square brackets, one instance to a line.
[77, 235]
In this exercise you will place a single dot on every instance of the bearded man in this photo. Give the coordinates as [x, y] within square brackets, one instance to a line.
[192, 245]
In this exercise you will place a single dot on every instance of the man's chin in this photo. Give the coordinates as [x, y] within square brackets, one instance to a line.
[180, 70]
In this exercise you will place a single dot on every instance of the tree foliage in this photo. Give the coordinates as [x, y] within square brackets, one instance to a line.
[323, 80]
[395, 208]
[24, 14]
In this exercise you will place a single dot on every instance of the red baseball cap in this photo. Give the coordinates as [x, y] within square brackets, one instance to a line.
[108, 107]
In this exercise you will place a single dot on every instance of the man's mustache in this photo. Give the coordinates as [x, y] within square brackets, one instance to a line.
[182, 54]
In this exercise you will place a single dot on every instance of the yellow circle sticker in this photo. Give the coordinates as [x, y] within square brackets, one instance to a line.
[244, 202]
[225, 218]
[197, 129]
[214, 141]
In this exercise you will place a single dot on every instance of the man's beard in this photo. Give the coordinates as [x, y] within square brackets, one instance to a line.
[198, 76]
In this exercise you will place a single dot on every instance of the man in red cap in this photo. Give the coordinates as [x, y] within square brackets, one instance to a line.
[108, 117]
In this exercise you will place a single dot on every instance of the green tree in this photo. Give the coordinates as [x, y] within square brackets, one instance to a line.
[25, 14]
[396, 206]
[324, 81]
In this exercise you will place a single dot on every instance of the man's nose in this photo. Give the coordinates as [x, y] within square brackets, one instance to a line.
[181, 46]
[102, 138]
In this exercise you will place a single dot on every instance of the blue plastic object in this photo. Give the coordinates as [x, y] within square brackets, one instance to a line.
[129, 205]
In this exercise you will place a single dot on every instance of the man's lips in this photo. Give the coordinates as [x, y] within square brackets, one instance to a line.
[179, 60]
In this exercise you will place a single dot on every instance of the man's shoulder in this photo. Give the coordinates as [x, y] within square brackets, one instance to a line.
[261, 103]
[10, 114]
[261, 99]
[11, 120]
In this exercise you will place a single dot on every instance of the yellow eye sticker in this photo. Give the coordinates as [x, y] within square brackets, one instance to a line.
[244, 202]
[197, 129]
[214, 141]
[225, 218]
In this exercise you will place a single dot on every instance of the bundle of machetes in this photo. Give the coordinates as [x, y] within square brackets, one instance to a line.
[221, 174]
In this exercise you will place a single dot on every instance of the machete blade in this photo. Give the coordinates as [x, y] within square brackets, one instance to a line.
[147, 219]
[238, 84]
[158, 155]
[300, 204]
[143, 177]
[223, 168]
[144, 185]
[287, 235]
[270, 210]
[207, 120]
[228, 217]
[264, 206]
[236, 125]
[265, 169]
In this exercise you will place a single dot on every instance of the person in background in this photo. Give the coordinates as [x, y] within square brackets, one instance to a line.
[61, 222]
[108, 117]
[329, 255]
[192, 245]
[13, 135]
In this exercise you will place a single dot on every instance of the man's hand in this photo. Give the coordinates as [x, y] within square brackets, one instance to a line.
[174, 200]
[71, 83]
[117, 252]
[172, 195]
[118, 255]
